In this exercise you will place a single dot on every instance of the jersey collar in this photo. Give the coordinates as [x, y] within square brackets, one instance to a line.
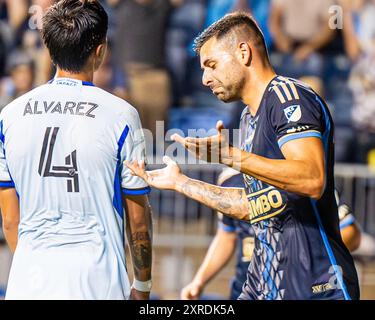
[264, 96]
[70, 82]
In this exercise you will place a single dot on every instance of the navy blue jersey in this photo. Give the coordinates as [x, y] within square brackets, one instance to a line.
[245, 240]
[299, 253]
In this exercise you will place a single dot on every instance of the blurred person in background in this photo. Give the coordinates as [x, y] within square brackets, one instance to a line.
[139, 46]
[111, 77]
[21, 78]
[19, 21]
[359, 35]
[300, 29]
[185, 22]
[2, 54]
[360, 243]
[15, 15]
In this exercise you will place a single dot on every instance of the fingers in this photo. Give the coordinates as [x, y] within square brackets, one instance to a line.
[191, 144]
[176, 137]
[219, 126]
[186, 294]
[137, 168]
[194, 292]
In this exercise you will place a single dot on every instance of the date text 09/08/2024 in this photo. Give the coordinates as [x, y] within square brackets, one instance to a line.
[188, 309]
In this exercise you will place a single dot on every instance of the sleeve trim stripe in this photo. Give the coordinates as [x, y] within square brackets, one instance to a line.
[293, 136]
[292, 86]
[294, 90]
[347, 222]
[136, 192]
[288, 88]
[7, 184]
[226, 228]
[279, 94]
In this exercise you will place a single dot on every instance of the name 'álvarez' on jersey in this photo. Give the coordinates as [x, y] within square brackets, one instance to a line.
[57, 107]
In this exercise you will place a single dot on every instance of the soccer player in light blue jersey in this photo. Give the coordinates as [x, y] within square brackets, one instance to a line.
[65, 195]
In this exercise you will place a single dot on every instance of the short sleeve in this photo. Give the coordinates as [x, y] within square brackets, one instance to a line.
[5, 177]
[134, 149]
[295, 113]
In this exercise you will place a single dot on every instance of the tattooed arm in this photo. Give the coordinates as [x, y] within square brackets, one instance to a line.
[139, 235]
[230, 201]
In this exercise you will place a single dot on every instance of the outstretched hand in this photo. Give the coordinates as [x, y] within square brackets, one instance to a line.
[211, 149]
[165, 178]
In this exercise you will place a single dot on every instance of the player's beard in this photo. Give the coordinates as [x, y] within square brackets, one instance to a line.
[232, 92]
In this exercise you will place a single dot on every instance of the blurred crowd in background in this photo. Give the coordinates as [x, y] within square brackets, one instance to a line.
[330, 44]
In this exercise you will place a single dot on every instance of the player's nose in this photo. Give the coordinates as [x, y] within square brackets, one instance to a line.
[206, 79]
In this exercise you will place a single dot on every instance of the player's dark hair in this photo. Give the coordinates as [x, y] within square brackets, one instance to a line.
[72, 30]
[242, 23]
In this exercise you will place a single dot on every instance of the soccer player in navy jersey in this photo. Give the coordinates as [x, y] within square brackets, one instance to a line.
[287, 159]
[235, 235]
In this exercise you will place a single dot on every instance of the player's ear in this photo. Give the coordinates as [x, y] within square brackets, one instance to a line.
[244, 53]
[100, 54]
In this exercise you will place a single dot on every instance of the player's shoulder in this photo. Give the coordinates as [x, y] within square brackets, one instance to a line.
[284, 91]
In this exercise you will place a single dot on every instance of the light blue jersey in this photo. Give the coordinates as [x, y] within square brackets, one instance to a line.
[62, 147]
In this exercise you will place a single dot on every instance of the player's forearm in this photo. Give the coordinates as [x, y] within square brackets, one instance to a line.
[230, 201]
[141, 251]
[139, 234]
[295, 176]
[218, 255]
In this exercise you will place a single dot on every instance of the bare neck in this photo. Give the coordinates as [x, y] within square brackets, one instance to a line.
[83, 75]
[255, 87]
